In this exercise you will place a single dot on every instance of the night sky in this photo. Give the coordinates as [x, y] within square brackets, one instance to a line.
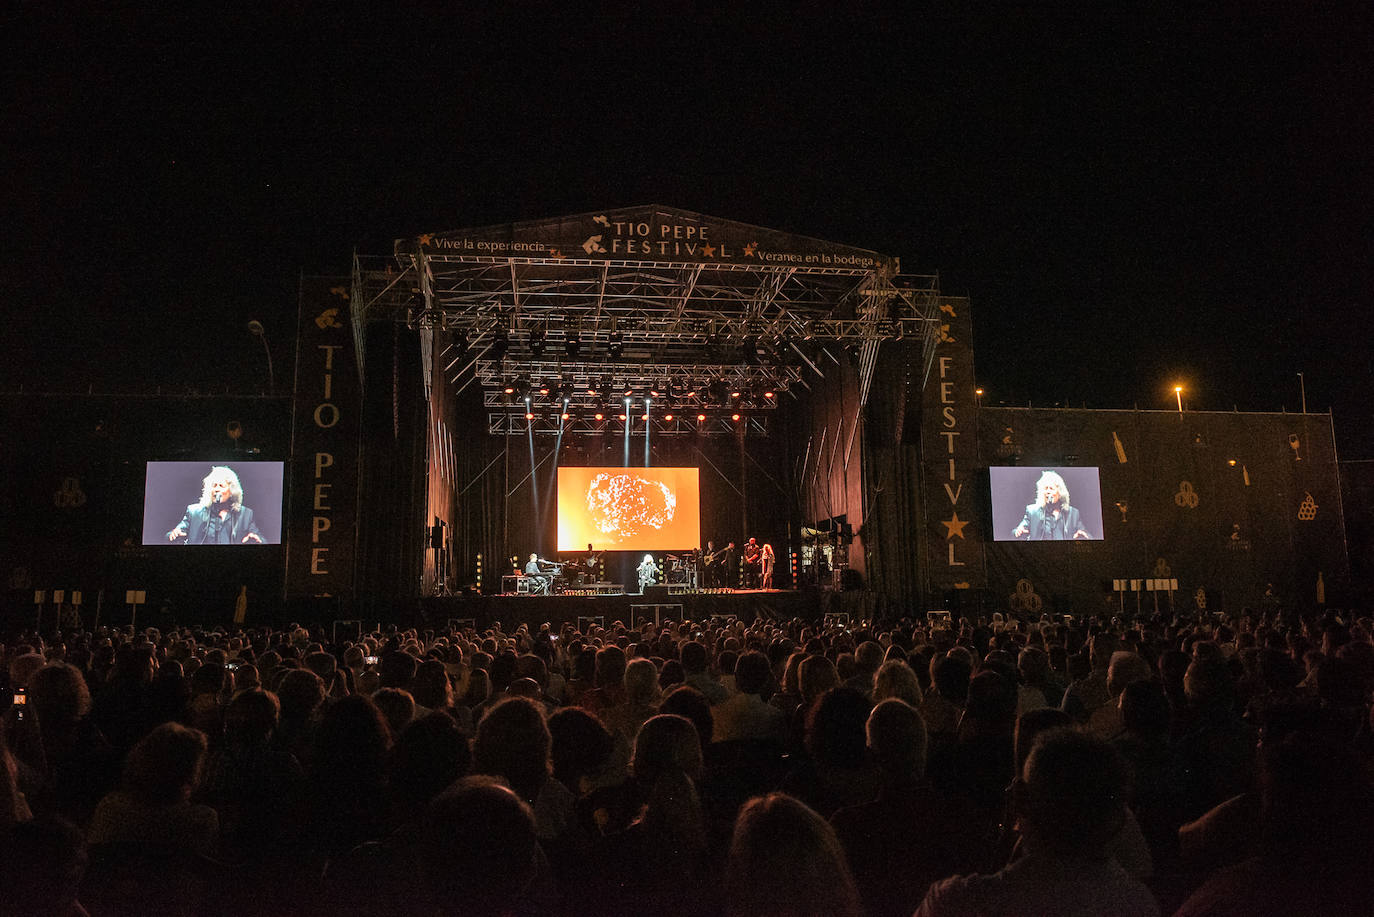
[1128, 200]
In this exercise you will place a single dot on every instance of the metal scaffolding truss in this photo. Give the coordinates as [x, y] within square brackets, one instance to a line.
[546, 319]
[715, 423]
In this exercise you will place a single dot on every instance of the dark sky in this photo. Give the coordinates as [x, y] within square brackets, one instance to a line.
[1127, 199]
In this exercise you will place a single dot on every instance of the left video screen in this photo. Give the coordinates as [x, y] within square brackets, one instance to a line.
[212, 503]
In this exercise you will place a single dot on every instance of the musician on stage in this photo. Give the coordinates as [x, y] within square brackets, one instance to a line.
[541, 579]
[727, 566]
[753, 555]
[766, 561]
[648, 572]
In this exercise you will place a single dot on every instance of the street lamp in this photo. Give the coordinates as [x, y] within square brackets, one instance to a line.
[255, 327]
[1178, 394]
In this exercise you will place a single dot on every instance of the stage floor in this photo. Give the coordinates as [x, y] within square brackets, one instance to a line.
[632, 610]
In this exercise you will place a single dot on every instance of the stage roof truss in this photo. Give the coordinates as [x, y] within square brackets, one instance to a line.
[502, 292]
[584, 426]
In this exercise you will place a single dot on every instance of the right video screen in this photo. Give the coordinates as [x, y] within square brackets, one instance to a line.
[1045, 504]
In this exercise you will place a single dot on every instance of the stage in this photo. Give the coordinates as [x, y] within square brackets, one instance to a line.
[745, 604]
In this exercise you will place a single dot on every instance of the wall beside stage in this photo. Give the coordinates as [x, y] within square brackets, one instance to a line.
[74, 470]
[1224, 503]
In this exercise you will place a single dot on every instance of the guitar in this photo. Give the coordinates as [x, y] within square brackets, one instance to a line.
[709, 559]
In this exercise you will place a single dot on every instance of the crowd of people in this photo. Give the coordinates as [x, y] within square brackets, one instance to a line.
[700, 768]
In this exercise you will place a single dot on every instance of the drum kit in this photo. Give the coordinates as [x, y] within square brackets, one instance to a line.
[681, 569]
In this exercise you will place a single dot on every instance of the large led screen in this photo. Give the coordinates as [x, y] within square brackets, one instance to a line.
[629, 509]
[212, 503]
[1046, 504]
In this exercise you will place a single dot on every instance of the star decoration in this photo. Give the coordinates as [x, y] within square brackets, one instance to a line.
[750, 249]
[954, 526]
[709, 251]
[555, 253]
[425, 239]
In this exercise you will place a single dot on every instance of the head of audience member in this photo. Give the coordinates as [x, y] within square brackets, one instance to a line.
[786, 860]
[429, 755]
[686, 701]
[479, 852]
[1031, 724]
[1072, 796]
[478, 690]
[1100, 650]
[166, 765]
[816, 676]
[991, 707]
[672, 674]
[59, 697]
[752, 673]
[790, 684]
[896, 680]
[210, 680]
[897, 740]
[396, 669]
[1145, 710]
[23, 667]
[513, 742]
[301, 692]
[397, 706]
[351, 745]
[610, 667]
[1033, 665]
[694, 658]
[950, 675]
[641, 683]
[431, 687]
[1124, 669]
[580, 747]
[1208, 685]
[868, 656]
[835, 728]
[251, 718]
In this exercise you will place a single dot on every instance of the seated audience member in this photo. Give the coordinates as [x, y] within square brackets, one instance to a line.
[251, 783]
[429, 755]
[513, 743]
[942, 706]
[981, 762]
[479, 854]
[785, 861]
[397, 706]
[746, 715]
[1315, 843]
[1071, 804]
[662, 855]
[896, 679]
[694, 663]
[301, 693]
[909, 836]
[1124, 669]
[347, 775]
[640, 701]
[74, 764]
[1086, 694]
[154, 807]
[837, 771]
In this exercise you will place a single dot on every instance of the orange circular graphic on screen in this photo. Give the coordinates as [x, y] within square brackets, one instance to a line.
[628, 508]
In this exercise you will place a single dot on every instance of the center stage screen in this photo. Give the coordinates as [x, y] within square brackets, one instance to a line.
[629, 509]
[1045, 504]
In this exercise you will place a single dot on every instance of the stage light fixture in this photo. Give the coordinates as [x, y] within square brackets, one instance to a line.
[668, 417]
[599, 416]
[566, 415]
[768, 395]
[622, 416]
[572, 344]
[499, 345]
[616, 345]
[701, 418]
[644, 417]
[529, 416]
[509, 388]
[734, 417]
[537, 342]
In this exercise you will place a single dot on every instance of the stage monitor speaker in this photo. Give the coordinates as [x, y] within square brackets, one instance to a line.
[656, 593]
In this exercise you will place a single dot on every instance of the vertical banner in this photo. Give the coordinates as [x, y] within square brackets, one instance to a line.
[326, 420]
[954, 519]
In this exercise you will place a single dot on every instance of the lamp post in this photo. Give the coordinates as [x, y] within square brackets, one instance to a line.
[255, 327]
[1178, 394]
